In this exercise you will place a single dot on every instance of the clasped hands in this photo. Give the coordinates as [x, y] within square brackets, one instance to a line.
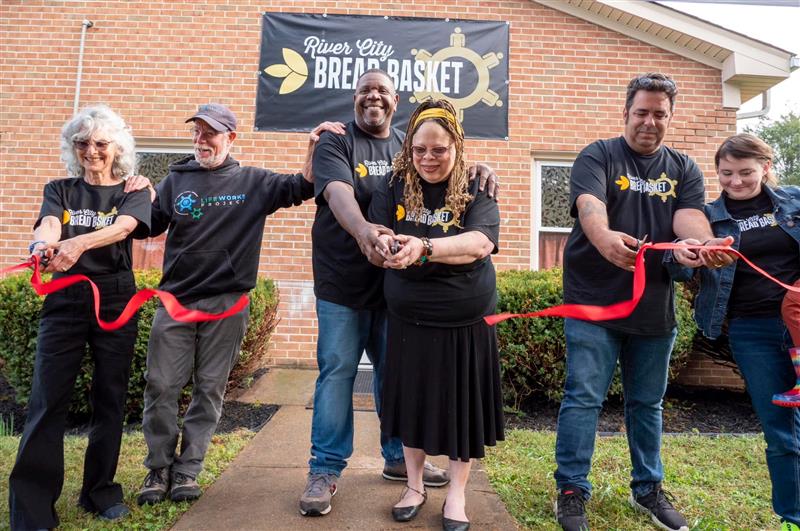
[384, 248]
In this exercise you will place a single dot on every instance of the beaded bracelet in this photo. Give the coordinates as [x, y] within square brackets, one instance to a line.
[427, 251]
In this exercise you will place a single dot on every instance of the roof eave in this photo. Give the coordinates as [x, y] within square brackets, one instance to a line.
[747, 66]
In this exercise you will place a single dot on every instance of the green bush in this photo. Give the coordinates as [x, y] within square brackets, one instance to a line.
[19, 322]
[532, 351]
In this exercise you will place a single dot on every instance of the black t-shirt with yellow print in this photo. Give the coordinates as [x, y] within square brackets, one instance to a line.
[764, 242]
[84, 208]
[436, 294]
[641, 194]
[342, 274]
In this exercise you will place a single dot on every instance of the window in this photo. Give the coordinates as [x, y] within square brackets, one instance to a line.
[153, 162]
[153, 157]
[552, 222]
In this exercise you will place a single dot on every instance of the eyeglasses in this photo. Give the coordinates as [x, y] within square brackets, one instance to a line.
[99, 145]
[436, 152]
[205, 133]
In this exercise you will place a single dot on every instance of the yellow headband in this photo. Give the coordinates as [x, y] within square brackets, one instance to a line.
[438, 112]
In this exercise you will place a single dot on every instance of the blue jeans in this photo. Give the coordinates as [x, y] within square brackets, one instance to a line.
[760, 346]
[344, 333]
[592, 354]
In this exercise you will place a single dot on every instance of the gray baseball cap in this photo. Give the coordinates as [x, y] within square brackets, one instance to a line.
[216, 115]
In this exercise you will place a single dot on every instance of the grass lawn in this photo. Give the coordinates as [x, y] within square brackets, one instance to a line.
[130, 473]
[718, 482]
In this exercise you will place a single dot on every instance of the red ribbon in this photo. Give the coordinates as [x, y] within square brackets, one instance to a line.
[174, 308]
[623, 309]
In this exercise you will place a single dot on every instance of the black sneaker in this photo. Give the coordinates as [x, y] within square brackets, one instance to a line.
[659, 506]
[154, 487]
[570, 510]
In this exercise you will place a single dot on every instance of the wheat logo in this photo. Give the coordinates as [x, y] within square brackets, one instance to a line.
[294, 72]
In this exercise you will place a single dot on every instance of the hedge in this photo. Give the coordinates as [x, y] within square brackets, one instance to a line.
[533, 351]
[19, 322]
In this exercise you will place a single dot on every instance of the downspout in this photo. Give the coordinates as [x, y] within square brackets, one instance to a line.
[763, 111]
[84, 26]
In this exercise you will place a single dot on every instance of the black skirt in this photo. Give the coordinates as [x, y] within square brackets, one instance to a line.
[441, 388]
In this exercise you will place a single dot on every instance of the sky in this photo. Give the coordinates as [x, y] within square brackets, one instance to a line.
[779, 26]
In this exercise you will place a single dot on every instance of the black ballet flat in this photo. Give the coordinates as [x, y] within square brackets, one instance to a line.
[406, 514]
[448, 524]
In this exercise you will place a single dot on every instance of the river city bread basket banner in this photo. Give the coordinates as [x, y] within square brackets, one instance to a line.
[310, 64]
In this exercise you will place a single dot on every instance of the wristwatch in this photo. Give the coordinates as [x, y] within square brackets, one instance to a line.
[33, 245]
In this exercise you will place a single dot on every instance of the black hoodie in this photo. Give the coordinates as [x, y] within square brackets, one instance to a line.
[216, 222]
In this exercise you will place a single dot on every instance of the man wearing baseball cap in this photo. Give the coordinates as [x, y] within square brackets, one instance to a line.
[215, 211]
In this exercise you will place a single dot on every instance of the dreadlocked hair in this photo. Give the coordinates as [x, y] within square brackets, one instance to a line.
[457, 195]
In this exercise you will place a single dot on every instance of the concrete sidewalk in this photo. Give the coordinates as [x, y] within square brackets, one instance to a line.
[261, 488]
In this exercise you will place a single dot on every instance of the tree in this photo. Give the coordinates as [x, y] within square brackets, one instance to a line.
[783, 136]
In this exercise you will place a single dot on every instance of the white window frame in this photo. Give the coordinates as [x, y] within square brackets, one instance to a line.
[536, 205]
[164, 145]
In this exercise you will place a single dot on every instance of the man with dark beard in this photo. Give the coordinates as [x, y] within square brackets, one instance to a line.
[622, 190]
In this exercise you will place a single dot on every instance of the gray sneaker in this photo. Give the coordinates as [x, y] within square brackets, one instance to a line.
[184, 488]
[316, 499]
[432, 475]
[155, 486]
[658, 505]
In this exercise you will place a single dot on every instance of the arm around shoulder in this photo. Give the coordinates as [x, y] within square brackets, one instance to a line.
[283, 190]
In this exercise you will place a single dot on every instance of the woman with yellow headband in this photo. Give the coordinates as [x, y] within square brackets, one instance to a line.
[441, 391]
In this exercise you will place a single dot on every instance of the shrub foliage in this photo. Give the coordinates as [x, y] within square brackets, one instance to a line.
[533, 351]
[19, 322]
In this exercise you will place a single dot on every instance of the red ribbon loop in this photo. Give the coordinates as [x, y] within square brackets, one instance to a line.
[174, 308]
[623, 309]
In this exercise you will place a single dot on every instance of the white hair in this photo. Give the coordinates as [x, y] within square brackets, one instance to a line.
[90, 120]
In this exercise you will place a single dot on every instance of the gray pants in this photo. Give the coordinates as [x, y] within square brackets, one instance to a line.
[206, 352]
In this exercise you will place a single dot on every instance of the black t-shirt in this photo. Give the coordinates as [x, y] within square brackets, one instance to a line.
[641, 194]
[769, 246]
[435, 294]
[84, 208]
[342, 274]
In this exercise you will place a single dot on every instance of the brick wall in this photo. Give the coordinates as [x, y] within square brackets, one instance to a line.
[702, 372]
[155, 61]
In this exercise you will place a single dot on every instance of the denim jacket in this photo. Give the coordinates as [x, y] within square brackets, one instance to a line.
[711, 303]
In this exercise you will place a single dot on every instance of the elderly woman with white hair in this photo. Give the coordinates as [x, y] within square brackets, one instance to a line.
[85, 226]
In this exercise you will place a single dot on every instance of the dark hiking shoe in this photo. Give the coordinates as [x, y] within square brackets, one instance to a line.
[316, 499]
[570, 509]
[659, 506]
[184, 488]
[155, 486]
[432, 475]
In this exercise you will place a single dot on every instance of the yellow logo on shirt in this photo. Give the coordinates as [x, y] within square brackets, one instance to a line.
[662, 187]
[86, 217]
[105, 219]
[400, 213]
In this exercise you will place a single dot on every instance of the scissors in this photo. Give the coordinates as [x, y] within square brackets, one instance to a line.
[639, 243]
